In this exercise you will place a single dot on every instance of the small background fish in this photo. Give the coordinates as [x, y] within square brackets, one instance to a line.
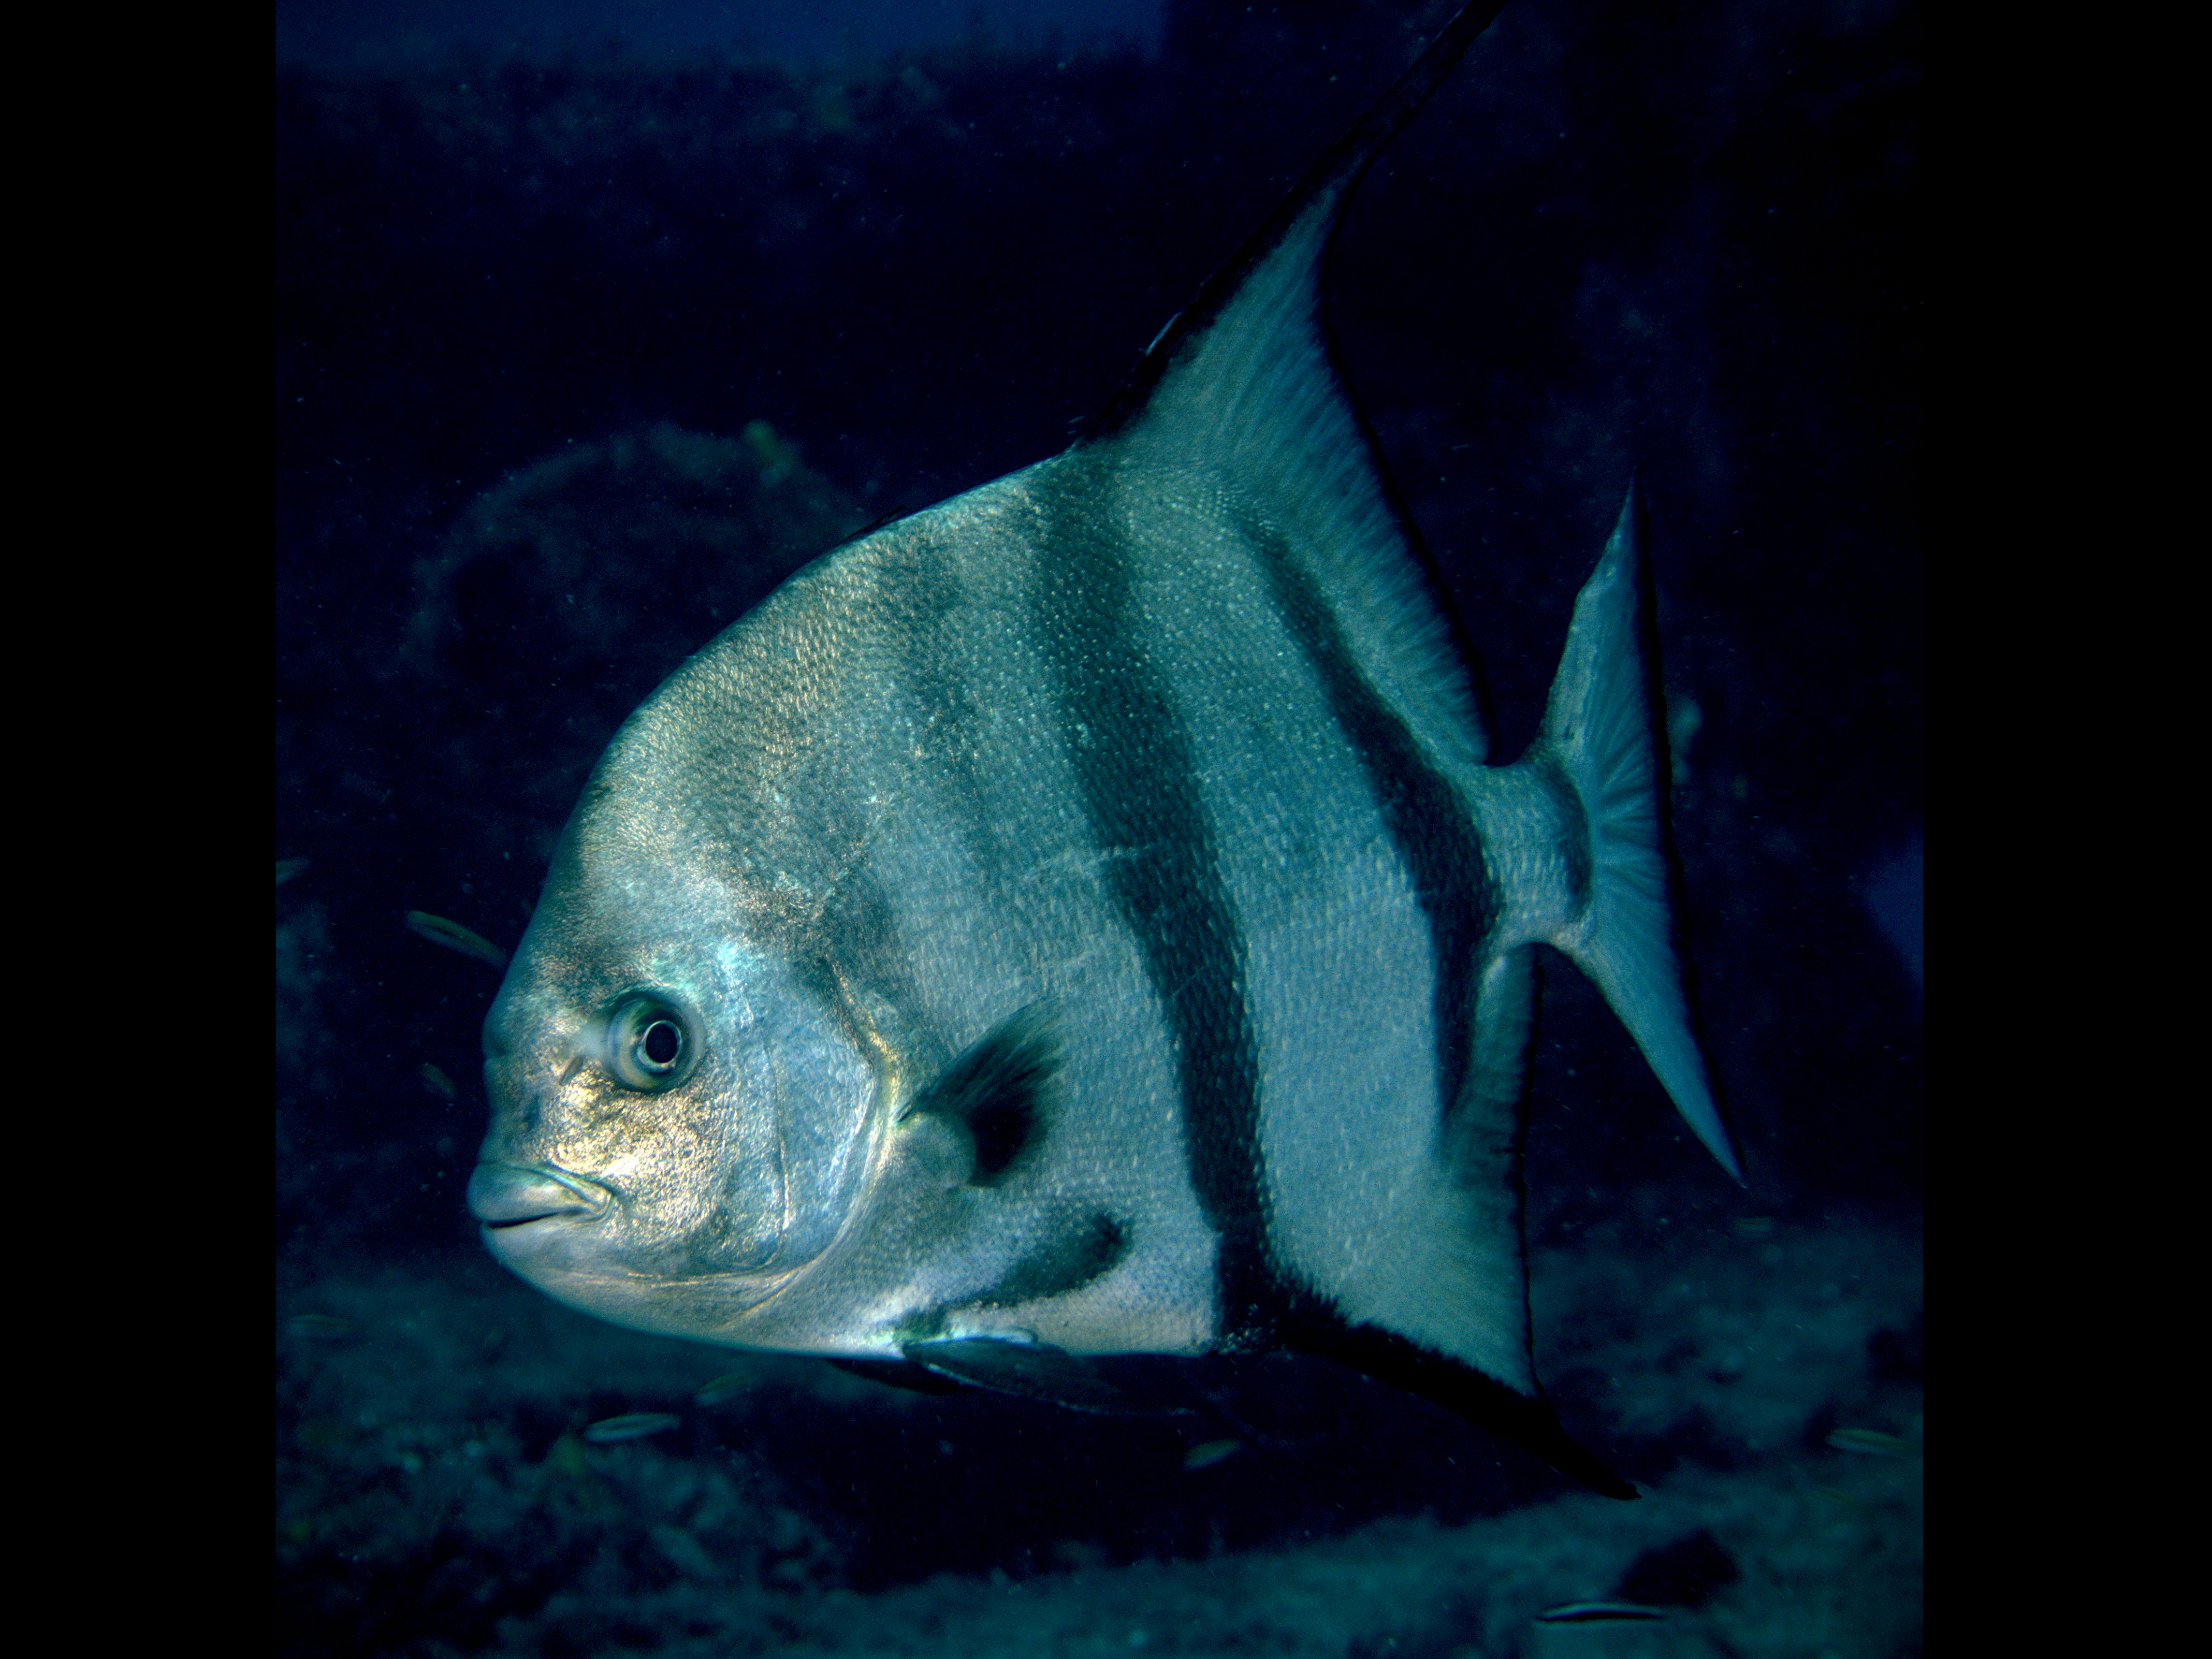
[516, 487]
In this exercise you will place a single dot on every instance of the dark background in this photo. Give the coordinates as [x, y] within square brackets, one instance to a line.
[1661, 239]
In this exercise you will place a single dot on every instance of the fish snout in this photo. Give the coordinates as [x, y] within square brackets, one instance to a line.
[502, 1195]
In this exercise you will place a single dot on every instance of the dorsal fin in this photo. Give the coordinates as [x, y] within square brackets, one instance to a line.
[1242, 380]
[1295, 234]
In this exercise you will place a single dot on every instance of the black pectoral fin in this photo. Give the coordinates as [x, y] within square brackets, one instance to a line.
[900, 1373]
[1029, 1370]
[1532, 1424]
[999, 1090]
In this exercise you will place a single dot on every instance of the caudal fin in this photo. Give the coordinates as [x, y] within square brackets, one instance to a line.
[1601, 724]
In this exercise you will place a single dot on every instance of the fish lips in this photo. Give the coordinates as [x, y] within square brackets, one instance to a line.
[511, 1198]
[535, 1219]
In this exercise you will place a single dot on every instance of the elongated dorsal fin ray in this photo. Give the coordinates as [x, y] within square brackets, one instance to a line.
[1602, 724]
[1241, 382]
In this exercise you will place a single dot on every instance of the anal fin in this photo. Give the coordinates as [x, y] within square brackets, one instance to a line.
[1527, 1421]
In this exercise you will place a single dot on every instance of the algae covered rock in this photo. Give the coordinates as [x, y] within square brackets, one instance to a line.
[580, 582]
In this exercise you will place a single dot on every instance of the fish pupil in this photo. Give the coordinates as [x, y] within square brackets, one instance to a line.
[662, 1043]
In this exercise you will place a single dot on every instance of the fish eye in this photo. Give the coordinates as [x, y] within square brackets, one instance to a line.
[650, 1043]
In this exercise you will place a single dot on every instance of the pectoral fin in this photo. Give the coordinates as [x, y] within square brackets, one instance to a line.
[998, 1091]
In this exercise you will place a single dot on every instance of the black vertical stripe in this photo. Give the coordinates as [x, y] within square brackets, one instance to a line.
[1434, 834]
[1132, 760]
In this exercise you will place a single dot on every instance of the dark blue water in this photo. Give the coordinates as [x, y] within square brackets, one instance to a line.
[530, 309]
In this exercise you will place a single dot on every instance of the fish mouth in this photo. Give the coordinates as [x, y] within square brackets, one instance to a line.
[504, 1196]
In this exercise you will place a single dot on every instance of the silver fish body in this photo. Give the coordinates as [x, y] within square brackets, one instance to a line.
[1080, 918]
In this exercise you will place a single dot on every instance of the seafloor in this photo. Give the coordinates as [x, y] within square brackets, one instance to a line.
[435, 1496]
[579, 355]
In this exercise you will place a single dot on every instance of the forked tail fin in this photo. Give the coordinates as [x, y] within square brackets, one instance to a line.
[1601, 725]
